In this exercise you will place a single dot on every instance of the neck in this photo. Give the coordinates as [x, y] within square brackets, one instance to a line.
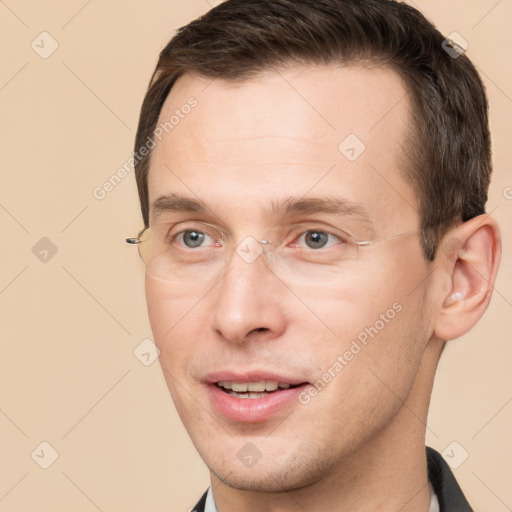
[386, 473]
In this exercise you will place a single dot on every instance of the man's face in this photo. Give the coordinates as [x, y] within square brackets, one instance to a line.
[245, 148]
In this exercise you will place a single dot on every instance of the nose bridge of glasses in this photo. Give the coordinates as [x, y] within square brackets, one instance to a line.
[250, 248]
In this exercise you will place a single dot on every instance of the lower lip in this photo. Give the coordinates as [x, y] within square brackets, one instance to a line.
[252, 410]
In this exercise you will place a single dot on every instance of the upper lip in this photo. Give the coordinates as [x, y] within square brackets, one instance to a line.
[250, 376]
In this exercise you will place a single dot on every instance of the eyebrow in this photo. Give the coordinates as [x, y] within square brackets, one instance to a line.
[177, 203]
[283, 208]
[311, 205]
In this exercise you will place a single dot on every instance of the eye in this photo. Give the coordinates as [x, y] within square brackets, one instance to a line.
[193, 238]
[317, 239]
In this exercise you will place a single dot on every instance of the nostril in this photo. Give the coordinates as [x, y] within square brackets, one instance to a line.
[259, 329]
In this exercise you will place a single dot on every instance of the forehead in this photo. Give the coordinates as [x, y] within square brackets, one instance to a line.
[293, 132]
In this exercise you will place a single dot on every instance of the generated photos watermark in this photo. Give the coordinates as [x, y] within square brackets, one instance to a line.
[100, 192]
[356, 346]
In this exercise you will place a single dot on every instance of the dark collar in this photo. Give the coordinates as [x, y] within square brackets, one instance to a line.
[200, 504]
[450, 496]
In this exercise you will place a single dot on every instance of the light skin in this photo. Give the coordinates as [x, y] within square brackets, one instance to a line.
[358, 445]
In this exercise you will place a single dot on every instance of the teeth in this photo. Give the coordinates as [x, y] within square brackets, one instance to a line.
[239, 387]
[256, 387]
[248, 395]
[271, 386]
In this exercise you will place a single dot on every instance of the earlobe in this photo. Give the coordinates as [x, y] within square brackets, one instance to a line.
[471, 264]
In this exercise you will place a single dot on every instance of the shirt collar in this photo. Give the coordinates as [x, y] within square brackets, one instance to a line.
[210, 503]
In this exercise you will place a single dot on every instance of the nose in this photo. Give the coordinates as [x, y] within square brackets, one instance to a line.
[250, 302]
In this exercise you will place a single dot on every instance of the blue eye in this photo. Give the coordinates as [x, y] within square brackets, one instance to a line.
[315, 239]
[192, 238]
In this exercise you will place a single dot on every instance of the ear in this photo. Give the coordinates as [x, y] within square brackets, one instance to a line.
[470, 258]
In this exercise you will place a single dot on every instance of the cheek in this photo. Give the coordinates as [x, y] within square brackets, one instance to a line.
[361, 300]
[177, 328]
[378, 331]
[159, 309]
[368, 378]
[176, 321]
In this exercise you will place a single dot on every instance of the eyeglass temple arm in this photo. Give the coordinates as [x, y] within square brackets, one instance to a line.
[400, 235]
[133, 241]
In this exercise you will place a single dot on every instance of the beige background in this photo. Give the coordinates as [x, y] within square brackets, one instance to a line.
[68, 374]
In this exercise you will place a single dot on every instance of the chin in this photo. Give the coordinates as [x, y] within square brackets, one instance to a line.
[279, 472]
[265, 479]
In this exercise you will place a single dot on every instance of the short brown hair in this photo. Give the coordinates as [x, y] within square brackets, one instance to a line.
[449, 155]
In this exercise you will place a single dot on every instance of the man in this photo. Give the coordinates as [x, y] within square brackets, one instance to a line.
[313, 177]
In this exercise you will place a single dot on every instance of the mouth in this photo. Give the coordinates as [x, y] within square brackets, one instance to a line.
[253, 390]
[252, 397]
